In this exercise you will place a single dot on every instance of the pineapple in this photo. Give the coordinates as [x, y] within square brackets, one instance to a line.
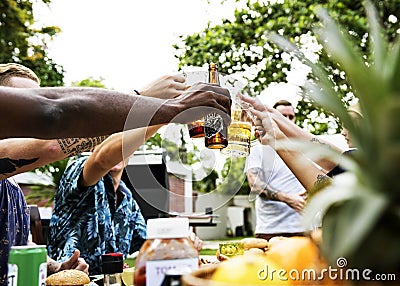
[361, 208]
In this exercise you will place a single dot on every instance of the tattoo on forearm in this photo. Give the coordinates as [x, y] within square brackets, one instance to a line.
[322, 180]
[259, 185]
[316, 140]
[270, 193]
[75, 146]
[8, 165]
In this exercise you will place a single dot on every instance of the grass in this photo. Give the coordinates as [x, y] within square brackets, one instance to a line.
[208, 251]
[204, 251]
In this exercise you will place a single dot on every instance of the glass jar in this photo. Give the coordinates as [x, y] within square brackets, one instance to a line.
[167, 247]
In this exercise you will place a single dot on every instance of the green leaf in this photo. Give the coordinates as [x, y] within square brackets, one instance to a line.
[392, 67]
[346, 225]
[349, 212]
[378, 42]
[321, 89]
[337, 192]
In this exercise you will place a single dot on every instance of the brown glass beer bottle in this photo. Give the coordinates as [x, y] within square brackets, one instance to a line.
[215, 131]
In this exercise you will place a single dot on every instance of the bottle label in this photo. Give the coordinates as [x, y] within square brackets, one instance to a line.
[155, 270]
[213, 124]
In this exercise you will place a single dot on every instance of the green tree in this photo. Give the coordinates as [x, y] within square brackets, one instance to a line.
[91, 82]
[234, 180]
[206, 184]
[179, 152]
[242, 45]
[22, 42]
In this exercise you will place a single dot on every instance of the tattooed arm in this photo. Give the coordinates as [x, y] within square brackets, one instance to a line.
[293, 131]
[18, 155]
[310, 175]
[259, 185]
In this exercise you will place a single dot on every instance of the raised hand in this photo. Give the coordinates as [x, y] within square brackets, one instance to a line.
[75, 262]
[200, 100]
[165, 87]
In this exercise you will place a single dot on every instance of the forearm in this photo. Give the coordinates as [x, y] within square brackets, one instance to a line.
[18, 155]
[118, 147]
[291, 130]
[259, 185]
[122, 145]
[306, 171]
[49, 113]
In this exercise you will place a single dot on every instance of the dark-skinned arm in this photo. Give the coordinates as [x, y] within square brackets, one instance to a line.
[63, 112]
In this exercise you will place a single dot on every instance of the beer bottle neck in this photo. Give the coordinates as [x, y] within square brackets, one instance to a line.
[213, 77]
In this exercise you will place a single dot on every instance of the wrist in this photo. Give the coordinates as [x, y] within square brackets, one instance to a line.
[167, 111]
[281, 197]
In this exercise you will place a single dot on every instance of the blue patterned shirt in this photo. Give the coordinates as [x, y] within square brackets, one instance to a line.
[14, 222]
[89, 220]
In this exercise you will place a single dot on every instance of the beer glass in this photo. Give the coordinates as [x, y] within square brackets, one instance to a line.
[195, 128]
[240, 129]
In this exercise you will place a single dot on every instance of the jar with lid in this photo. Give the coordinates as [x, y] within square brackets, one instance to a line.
[112, 267]
[167, 248]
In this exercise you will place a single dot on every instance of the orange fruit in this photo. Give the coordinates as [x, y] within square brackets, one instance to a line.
[249, 270]
[295, 254]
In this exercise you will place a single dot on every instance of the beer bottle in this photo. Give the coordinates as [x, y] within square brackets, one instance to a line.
[215, 130]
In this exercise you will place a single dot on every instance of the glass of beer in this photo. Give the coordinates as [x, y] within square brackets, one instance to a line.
[195, 128]
[240, 130]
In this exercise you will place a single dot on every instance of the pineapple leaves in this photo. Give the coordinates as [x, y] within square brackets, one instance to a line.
[366, 83]
[320, 88]
[392, 67]
[341, 235]
[360, 208]
[378, 42]
[345, 199]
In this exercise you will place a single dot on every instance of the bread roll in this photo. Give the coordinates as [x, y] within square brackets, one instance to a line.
[252, 242]
[70, 277]
[254, 251]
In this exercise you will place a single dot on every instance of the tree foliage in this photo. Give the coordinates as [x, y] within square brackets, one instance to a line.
[180, 153]
[242, 46]
[234, 180]
[91, 82]
[22, 42]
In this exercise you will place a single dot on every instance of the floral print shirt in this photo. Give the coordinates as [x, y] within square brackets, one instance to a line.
[14, 222]
[90, 220]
